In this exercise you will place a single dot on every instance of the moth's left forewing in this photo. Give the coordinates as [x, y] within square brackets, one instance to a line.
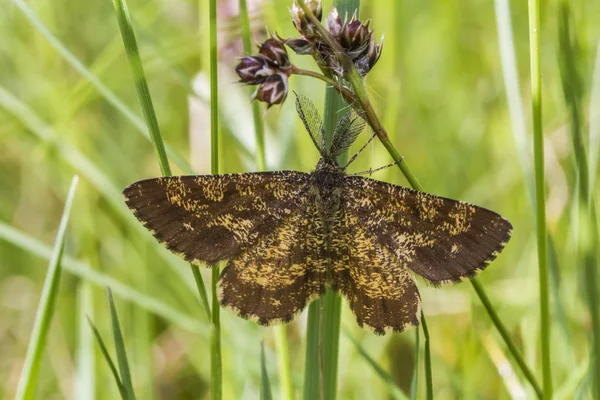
[208, 218]
[440, 239]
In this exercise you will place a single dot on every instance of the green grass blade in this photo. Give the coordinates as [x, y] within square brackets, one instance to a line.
[414, 385]
[110, 96]
[216, 367]
[109, 361]
[506, 336]
[393, 390]
[594, 142]
[86, 358]
[588, 235]
[265, 384]
[84, 167]
[540, 190]
[332, 302]
[120, 348]
[283, 361]
[280, 331]
[323, 332]
[84, 271]
[428, 372]
[312, 365]
[141, 85]
[43, 318]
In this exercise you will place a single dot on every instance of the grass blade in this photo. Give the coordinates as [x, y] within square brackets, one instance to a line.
[540, 189]
[141, 85]
[312, 365]
[428, 372]
[394, 391]
[588, 235]
[216, 367]
[122, 290]
[43, 318]
[265, 384]
[110, 96]
[120, 347]
[86, 371]
[109, 361]
[331, 302]
[414, 385]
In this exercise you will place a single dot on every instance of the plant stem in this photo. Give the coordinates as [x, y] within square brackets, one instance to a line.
[216, 380]
[540, 186]
[45, 311]
[346, 94]
[506, 336]
[428, 373]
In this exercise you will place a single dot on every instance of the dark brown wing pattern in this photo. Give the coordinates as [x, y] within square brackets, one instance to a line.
[208, 218]
[380, 291]
[439, 239]
[275, 279]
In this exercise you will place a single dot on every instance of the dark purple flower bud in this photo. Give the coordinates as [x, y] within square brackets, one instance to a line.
[273, 90]
[334, 23]
[300, 45]
[355, 36]
[274, 52]
[253, 70]
[299, 18]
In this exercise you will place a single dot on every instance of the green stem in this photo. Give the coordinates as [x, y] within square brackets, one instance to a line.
[428, 373]
[216, 380]
[540, 186]
[283, 358]
[506, 336]
[346, 94]
[45, 311]
[280, 331]
[258, 122]
[141, 85]
[361, 94]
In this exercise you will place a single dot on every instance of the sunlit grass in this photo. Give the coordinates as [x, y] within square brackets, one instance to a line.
[439, 89]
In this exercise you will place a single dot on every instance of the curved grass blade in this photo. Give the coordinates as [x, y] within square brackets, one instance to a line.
[216, 367]
[122, 290]
[414, 385]
[43, 318]
[540, 188]
[85, 384]
[394, 391]
[141, 85]
[110, 96]
[265, 384]
[120, 348]
[108, 359]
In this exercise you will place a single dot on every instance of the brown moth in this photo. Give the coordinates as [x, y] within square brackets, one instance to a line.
[288, 235]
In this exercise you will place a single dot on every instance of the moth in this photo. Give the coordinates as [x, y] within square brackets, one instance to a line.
[289, 235]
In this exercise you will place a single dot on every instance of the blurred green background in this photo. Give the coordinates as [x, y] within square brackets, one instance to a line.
[454, 100]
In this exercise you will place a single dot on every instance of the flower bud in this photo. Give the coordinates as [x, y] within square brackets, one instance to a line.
[273, 90]
[299, 18]
[334, 23]
[274, 52]
[253, 70]
[300, 45]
